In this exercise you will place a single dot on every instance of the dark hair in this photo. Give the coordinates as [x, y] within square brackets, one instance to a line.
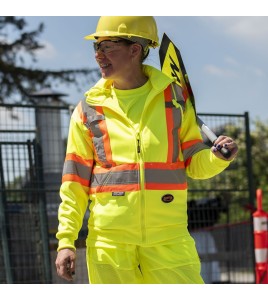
[145, 53]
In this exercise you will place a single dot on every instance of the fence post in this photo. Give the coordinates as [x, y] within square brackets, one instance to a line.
[42, 212]
[4, 228]
[249, 161]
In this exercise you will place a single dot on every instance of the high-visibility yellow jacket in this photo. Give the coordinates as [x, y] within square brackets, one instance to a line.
[135, 179]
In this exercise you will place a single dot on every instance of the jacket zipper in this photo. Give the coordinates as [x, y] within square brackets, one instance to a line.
[142, 198]
[141, 163]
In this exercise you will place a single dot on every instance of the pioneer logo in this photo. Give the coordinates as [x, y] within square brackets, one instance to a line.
[167, 198]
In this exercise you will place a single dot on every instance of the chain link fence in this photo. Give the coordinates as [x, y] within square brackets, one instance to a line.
[32, 148]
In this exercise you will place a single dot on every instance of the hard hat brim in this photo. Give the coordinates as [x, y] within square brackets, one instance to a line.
[96, 35]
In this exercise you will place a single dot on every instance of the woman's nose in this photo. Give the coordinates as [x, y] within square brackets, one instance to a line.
[99, 54]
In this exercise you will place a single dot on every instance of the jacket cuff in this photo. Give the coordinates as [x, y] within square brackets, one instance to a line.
[219, 161]
[66, 243]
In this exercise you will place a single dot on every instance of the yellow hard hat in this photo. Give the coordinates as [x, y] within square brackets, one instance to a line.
[130, 27]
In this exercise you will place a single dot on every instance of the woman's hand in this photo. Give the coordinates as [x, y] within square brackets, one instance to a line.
[227, 143]
[65, 264]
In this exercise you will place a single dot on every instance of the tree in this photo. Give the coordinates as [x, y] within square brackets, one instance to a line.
[15, 77]
[259, 140]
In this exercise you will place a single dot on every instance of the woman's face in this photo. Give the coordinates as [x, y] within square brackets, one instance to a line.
[114, 57]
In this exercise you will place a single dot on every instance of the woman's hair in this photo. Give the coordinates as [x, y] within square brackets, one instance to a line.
[144, 44]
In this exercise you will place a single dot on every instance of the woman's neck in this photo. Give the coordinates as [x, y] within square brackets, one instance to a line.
[133, 81]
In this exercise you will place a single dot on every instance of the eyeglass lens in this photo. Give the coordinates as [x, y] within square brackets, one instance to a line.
[106, 46]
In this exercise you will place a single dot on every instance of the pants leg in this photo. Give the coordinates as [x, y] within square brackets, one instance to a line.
[113, 264]
[174, 262]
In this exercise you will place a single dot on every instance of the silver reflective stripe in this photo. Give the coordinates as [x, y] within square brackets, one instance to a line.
[177, 94]
[189, 152]
[165, 176]
[76, 168]
[176, 115]
[115, 178]
[177, 124]
[92, 123]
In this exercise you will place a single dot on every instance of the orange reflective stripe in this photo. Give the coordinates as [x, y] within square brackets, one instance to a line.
[96, 124]
[173, 102]
[191, 147]
[189, 144]
[124, 178]
[119, 178]
[188, 161]
[115, 188]
[166, 176]
[118, 168]
[164, 166]
[77, 169]
[166, 186]
[185, 94]
[79, 159]
[75, 178]
[81, 113]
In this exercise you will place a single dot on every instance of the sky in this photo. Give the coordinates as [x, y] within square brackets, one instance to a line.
[226, 56]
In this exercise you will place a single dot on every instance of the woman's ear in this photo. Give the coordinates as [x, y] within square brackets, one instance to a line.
[136, 49]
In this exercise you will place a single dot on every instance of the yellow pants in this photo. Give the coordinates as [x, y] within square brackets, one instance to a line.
[175, 262]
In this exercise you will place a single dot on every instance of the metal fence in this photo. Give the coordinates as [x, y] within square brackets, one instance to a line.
[32, 146]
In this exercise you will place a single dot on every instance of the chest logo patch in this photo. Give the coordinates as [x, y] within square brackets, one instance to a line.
[167, 198]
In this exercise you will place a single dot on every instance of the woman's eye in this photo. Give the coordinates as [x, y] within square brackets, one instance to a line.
[108, 47]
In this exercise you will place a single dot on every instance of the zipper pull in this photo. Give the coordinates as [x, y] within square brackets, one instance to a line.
[138, 144]
[138, 147]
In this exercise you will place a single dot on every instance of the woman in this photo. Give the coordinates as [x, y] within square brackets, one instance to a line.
[131, 144]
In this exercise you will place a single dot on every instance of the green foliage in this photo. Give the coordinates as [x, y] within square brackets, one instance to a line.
[259, 141]
[233, 184]
[18, 79]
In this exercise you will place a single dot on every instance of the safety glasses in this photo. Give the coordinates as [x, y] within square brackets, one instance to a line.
[107, 46]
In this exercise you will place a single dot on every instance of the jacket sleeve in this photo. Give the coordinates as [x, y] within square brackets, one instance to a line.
[200, 162]
[74, 190]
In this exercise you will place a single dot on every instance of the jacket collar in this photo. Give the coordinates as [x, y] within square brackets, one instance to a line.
[102, 89]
